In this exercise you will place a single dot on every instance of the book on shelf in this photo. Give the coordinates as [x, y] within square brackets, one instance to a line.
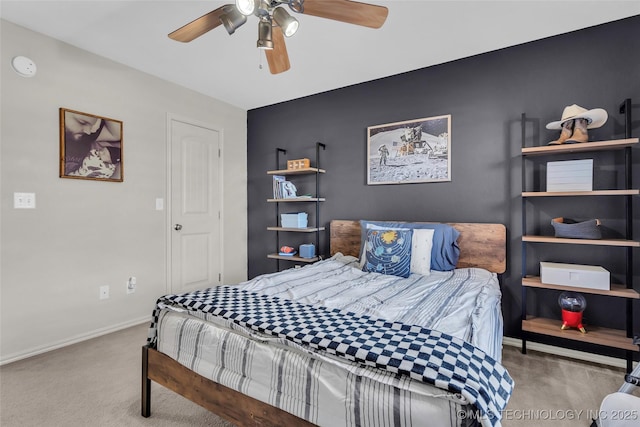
[277, 186]
[283, 189]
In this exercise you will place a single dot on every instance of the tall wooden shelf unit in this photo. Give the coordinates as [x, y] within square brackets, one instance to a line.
[621, 339]
[316, 200]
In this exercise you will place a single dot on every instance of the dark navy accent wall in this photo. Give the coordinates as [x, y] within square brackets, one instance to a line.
[486, 94]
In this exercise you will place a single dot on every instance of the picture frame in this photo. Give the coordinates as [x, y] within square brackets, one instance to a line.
[410, 151]
[90, 147]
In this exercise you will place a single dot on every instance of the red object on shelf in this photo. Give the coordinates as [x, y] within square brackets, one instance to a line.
[572, 319]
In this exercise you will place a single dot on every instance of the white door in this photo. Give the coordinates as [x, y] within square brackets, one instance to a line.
[195, 206]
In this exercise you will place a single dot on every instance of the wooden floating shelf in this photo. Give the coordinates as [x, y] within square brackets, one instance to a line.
[582, 147]
[600, 242]
[631, 192]
[299, 230]
[292, 258]
[297, 199]
[302, 171]
[595, 335]
[616, 290]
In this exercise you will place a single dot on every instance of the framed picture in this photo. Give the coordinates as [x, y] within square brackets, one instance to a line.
[90, 147]
[410, 151]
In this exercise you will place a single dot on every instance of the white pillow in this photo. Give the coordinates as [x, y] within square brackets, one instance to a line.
[421, 245]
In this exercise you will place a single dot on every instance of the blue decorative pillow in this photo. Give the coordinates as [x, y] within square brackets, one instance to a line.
[445, 251]
[388, 252]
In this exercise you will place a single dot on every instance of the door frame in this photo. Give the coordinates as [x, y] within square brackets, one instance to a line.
[168, 196]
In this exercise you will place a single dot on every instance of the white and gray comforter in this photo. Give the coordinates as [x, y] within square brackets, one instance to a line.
[320, 386]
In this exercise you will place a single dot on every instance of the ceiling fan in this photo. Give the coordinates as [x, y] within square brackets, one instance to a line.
[274, 22]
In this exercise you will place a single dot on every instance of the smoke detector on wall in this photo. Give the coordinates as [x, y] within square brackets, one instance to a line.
[24, 66]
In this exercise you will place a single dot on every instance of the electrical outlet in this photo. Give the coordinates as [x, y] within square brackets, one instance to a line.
[104, 292]
[24, 200]
[131, 285]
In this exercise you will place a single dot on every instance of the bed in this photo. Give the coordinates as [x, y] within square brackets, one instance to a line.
[331, 344]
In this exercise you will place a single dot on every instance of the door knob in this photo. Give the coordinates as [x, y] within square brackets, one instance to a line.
[177, 227]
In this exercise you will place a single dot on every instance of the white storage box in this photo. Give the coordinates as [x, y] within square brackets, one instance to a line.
[570, 175]
[580, 276]
[294, 220]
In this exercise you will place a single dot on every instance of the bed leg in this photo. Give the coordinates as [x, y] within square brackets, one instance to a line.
[145, 400]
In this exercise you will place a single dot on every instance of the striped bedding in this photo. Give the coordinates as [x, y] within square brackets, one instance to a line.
[325, 389]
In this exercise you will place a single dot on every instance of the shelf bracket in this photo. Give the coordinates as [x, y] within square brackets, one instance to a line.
[625, 108]
[324, 147]
[278, 151]
[277, 208]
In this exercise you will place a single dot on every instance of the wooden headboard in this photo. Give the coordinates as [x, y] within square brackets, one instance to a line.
[481, 245]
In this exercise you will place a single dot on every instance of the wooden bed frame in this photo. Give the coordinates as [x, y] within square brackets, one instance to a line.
[481, 245]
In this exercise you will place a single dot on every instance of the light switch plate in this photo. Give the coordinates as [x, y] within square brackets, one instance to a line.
[24, 200]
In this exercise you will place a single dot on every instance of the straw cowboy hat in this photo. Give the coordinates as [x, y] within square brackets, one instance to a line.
[595, 118]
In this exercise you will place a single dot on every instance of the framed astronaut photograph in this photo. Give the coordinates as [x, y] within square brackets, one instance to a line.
[410, 151]
[90, 147]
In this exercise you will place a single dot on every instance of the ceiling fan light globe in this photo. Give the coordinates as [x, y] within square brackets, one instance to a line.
[288, 23]
[232, 19]
[246, 7]
[290, 29]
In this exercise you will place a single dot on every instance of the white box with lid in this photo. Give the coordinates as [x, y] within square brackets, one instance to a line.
[570, 175]
[576, 275]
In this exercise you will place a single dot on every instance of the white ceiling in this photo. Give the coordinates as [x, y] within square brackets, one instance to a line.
[324, 54]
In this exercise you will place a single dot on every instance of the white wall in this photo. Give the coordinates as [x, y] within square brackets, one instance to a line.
[84, 234]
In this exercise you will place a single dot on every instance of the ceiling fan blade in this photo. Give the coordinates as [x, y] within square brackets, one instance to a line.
[198, 27]
[351, 12]
[278, 58]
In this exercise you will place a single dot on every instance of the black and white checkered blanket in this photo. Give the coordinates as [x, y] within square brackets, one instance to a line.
[422, 354]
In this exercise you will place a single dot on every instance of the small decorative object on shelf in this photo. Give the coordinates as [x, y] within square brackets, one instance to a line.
[571, 229]
[307, 250]
[574, 124]
[572, 305]
[287, 251]
[298, 164]
[289, 190]
[283, 189]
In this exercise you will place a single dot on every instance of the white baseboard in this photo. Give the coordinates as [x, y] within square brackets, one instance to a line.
[565, 352]
[73, 340]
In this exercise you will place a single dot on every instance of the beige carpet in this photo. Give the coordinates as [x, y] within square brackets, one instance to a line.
[555, 391]
[94, 383]
[97, 383]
